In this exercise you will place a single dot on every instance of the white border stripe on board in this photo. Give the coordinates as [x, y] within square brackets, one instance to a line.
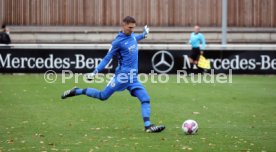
[249, 47]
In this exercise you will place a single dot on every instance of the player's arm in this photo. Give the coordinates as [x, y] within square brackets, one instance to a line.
[203, 43]
[113, 49]
[143, 35]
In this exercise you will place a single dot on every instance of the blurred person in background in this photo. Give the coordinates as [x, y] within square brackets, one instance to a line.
[197, 42]
[5, 35]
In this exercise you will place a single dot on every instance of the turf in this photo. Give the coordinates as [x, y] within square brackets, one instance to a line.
[232, 117]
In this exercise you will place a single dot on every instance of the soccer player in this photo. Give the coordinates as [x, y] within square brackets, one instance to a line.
[125, 47]
[196, 39]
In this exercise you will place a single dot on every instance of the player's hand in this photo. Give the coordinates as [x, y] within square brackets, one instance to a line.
[90, 76]
[146, 31]
[201, 52]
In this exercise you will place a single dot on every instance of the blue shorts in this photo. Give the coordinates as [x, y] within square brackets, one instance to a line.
[120, 84]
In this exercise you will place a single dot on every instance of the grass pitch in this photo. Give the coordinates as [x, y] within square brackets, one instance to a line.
[232, 117]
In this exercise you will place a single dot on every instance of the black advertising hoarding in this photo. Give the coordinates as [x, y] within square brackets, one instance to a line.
[161, 61]
[241, 62]
[41, 60]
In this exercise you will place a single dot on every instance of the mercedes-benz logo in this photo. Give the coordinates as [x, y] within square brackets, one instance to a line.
[162, 61]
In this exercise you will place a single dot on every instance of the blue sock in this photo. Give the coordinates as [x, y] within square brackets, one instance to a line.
[91, 92]
[88, 91]
[78, 91]
[145, 107]
[144, 98]
[94, 93]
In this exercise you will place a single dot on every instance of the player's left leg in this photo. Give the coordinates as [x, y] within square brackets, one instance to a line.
[144, 98]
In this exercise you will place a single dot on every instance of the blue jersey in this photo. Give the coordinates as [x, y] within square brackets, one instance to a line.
[125, 47]
[196, 40]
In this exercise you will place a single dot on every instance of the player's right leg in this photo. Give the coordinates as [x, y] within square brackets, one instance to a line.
[101, 95]
[69, 93]
[91, 92]
[112, 86]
